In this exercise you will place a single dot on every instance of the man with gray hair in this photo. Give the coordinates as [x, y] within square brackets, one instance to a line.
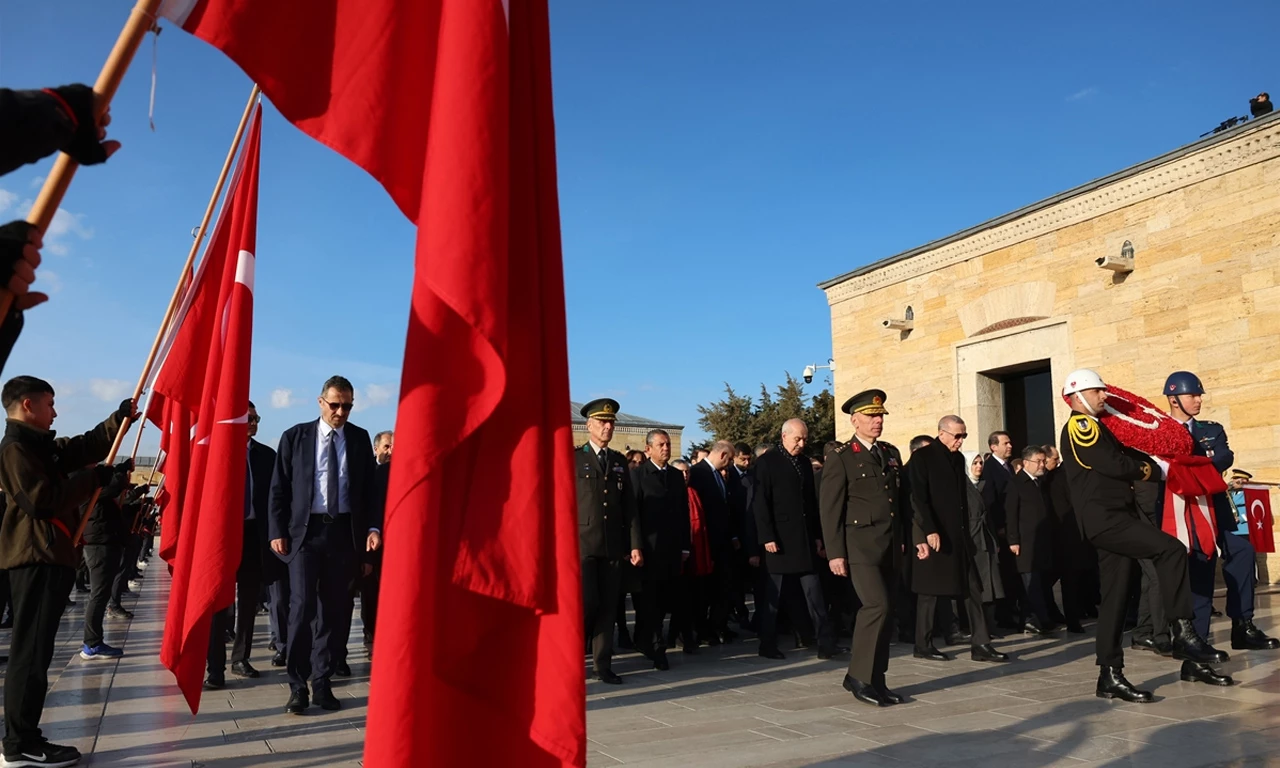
[787, 521]
[662, 504]
[711, 615]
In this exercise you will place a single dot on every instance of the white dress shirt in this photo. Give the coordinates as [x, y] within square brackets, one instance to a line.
[319, 498]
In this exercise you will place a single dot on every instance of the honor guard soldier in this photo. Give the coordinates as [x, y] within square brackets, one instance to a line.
[608, 531]
[860, 506]
[1209, 439]
[1100, 473]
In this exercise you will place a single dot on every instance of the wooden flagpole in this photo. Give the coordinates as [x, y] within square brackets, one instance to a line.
[175, 300]
[141, 20]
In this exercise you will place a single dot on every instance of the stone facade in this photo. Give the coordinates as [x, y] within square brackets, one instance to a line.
[1204, 225]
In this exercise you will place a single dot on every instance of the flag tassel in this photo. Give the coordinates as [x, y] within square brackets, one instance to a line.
[175, 299]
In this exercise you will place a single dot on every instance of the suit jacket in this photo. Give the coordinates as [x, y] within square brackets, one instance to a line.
[662, 503]
[257, 558]
[1100, 473]
[608, 526]
[1030, 524]
[717, 514]
[786, 513]
[861, 503]
[939, 504]
[996, 477]
[293, 484]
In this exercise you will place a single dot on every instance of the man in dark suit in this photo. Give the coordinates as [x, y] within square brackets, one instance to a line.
[371, 581]
[944, 548]
[741, 494]
[711, 616]
[662, 505]
[787, 522]
[997, 472]
[322, 521]
[1074, 560]
[608, 531]
[257, 567]
[860, 506]
[1030, 534]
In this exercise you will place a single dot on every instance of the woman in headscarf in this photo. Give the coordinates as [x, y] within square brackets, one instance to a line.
[986, 551]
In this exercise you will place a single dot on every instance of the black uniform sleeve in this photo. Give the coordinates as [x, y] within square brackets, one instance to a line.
[1093, 447]
[33, 125]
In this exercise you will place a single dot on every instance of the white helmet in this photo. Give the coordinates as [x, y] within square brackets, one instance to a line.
[1079, 381]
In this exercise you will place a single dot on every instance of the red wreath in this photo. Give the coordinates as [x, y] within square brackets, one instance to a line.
[1139, 424]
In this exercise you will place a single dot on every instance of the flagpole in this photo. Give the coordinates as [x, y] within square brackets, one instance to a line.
[141, 20]
[175, 299]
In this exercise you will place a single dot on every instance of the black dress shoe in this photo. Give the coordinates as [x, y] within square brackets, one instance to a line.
[215, 682]
[342, 670]
[1203, 673]
[244, 669]
[326, 700]
[298, 702]
[830, 653]
[1113, 685]
[888, 696]
[608, 676]
[931, 654]
[1189, 646]
[279, 660]
[771, 653]
[1162, 647]
[1246, 637]
[1075, 629]
[1032, 628]
[863, 692]
[271, 646]
[660, 661]
[1215, 613]
[985, 652]
[714, 640]
[959, 638]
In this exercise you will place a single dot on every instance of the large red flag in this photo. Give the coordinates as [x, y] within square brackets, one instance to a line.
[1257, 503]
[447, 103]
[206, 373]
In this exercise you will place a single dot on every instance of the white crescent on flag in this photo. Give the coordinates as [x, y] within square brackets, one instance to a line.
[1258, 511]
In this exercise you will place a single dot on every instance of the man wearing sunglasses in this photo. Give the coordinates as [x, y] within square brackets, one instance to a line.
[324, 523]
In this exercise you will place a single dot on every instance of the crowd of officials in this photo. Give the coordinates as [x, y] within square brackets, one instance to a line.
[934, 546]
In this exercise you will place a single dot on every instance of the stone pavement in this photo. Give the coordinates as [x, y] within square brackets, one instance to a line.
[723, 707]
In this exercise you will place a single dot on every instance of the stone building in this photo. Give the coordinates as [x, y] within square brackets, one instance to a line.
[1170, 264]
[628, 431]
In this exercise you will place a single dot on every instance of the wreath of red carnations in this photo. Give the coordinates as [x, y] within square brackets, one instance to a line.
[1138, 424]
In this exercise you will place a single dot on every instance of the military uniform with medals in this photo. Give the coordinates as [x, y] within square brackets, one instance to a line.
[608, 530]
[861, 504]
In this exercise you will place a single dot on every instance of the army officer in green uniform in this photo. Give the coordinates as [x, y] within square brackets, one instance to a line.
[608, 531]
[860, 506]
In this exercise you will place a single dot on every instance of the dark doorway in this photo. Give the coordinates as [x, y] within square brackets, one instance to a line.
[1028, 405]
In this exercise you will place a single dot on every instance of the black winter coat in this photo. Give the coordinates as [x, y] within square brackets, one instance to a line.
[786, 513]
[939, 504]
[662, 502]
[1030, 524]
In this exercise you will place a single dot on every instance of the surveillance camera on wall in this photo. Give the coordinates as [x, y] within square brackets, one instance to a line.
[1121, 262]
[808, 374]
[897, 324]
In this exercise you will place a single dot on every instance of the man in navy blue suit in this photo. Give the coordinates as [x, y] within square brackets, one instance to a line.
[323, 525]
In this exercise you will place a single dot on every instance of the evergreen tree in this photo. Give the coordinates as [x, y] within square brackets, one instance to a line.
[738, 418]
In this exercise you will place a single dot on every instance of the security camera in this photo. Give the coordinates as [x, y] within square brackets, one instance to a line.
[1115, 263]
[808, 374]
[898, 324]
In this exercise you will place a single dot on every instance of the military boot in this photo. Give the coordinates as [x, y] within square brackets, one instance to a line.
[1246, 637]
[1113, 685]
[1189, 646]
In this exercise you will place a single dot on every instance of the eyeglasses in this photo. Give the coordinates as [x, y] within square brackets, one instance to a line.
[344, 407]
[957, 435]
[255, 419]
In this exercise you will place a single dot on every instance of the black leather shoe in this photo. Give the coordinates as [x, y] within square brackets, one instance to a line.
[888, 696]
[608, 676]
[931, 654]
[714, 640]
[1162, 647]
[342, 670]
[1246, 637]
[244, 669]
[279, 660]
[863, 692]
[830, 653]
[1189, 646]
[987, 653]
[298, 702]
[1031, 628]
[215, 682]
[771, 653]
[660, 661]
[327, 701]
[1075, 629]
[1112, 685]
[959, 638]
[1203, 673]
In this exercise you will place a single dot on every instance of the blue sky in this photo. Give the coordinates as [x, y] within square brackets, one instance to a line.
[717, 160]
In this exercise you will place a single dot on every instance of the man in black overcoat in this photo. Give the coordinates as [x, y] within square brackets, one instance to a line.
[788, 524]
[711, 613]
[1030, 533]
[944, 549]
[662, 504]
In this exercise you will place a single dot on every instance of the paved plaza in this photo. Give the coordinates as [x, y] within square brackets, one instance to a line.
[722, 707]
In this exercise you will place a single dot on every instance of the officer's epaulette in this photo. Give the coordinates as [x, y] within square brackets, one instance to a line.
[841, 448]
[1207, 422]
[1083, 430]
[889, 446]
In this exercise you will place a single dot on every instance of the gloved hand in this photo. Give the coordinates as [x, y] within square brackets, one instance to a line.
[88, 145]
[104, 473]
[20, 244]
[127, 410]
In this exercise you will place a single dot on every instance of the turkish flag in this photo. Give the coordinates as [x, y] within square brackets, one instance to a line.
[174, 421]
[1257, 501]
[206, 373]
[447, 103]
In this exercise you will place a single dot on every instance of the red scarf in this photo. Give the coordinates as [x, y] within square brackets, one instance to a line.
[700, 563]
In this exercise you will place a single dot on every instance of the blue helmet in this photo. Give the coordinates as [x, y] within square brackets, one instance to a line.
[1183, 383]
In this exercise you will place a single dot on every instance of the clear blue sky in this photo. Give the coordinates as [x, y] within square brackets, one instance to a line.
[717, 160]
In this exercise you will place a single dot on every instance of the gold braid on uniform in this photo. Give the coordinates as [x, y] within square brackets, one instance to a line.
[1083, 432]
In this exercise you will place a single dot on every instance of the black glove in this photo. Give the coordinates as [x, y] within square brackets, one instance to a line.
[13, 239]
[104, 473]
[125, 411]
[85, 146]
